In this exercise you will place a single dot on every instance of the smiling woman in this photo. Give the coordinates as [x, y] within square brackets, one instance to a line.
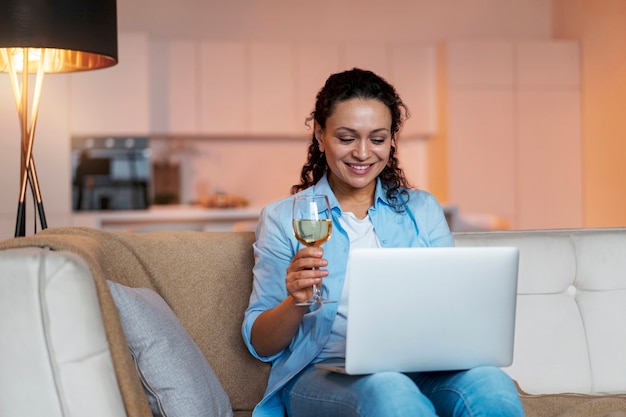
[352, 162]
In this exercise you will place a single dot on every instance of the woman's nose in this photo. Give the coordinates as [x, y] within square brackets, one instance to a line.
[362, 150]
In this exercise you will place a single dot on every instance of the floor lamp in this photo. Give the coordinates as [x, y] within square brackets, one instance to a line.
[38, 37]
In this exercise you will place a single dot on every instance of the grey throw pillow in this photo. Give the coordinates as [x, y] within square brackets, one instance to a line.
[177, 379]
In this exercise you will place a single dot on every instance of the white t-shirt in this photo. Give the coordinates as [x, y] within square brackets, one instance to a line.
[362, 235]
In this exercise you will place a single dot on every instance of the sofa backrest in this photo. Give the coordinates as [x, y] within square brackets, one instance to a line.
[570, 332]
[206, 279]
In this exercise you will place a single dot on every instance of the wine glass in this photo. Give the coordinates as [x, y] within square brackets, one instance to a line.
[312, 226]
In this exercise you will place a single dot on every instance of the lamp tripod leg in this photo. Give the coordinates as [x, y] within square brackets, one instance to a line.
[28, 171]
[38, 199]
[20, 223]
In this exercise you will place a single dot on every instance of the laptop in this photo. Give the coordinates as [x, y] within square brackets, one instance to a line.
[429, 309]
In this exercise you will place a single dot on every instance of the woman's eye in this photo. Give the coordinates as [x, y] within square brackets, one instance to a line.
[378, 141]
[346, 139]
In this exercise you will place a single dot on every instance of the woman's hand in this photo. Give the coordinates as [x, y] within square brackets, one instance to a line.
[304, 271]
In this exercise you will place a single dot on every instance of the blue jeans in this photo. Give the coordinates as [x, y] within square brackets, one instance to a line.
[478, 392]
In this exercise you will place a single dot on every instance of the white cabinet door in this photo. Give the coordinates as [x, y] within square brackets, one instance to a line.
[481, 152]
[114, 100]
[368, 56]
[182, 87]
[514, 134]
[549, 159]
[224, 106]
[481, 127]
[174, 92]
[549, 135]
[315, 62]
[272, 89]
[479, 64]
[549, 64]
[414, 75]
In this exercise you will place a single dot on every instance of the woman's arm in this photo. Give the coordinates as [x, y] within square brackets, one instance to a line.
[274, 329]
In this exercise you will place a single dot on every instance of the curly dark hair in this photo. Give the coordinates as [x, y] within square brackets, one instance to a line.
[347, 85]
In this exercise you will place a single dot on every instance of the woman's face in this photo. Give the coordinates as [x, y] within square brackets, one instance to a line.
[357, 143]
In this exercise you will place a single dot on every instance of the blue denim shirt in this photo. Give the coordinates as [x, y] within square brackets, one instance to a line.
[422, 224]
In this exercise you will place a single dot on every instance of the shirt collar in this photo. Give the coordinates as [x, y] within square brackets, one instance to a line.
[323, 187]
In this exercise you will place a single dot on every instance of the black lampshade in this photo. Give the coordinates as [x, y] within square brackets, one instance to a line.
[78, 34]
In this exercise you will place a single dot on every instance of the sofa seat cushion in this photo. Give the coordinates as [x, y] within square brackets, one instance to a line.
[177, 378]
[573, 405]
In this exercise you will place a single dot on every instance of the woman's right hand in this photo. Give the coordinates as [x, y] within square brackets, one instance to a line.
[304, 271]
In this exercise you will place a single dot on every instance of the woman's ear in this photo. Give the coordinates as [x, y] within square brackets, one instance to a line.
[318, 136]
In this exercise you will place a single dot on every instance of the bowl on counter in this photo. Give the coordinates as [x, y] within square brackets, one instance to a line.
[223, 200]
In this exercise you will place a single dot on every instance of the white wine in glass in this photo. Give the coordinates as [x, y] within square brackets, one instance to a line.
[312, 226]
[312, 232]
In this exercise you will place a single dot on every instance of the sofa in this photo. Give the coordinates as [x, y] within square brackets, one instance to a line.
[64, 350]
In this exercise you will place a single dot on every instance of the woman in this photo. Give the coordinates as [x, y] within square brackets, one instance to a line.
[352, 159]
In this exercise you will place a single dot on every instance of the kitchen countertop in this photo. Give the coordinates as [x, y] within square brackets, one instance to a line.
[160, 217]
[188, 217]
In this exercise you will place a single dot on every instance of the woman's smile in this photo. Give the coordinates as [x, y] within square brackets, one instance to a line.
[360, 169]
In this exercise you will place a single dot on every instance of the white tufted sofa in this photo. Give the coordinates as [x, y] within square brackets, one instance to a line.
[571, 311]
[55, 309]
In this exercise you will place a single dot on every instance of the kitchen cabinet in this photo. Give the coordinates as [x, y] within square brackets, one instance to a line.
[114, 100]
[514, 134]
[174, 78]
[182, 87]
[314, 63]
[272, 89]
[549, 136]
[199, 87]
[268, 89]
[224, 105]
[370, 56]
[481, 124]
[413, 72]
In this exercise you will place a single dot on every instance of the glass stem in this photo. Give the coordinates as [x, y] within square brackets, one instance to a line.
[317, 293]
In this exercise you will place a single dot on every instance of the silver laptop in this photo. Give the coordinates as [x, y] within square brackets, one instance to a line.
[429, 309]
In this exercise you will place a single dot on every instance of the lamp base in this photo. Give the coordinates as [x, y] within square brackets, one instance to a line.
[20, 223]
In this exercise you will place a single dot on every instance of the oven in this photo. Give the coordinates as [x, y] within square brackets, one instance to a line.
[110, 173]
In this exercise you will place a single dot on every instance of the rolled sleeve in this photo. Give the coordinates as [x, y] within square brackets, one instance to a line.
[273, 250]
